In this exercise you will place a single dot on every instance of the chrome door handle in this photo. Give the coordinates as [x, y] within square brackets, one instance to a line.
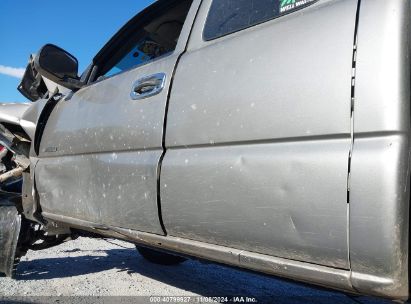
[148, 86]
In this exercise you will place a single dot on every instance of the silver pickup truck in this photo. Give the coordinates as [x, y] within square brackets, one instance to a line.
[266, 135]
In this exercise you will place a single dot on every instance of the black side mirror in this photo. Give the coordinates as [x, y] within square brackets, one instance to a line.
[58, 65]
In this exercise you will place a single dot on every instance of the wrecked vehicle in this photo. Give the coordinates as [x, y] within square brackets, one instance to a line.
[266, 135]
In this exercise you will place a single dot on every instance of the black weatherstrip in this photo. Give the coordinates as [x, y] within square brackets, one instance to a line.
[353, 80]
[44, 117]
[160, 163]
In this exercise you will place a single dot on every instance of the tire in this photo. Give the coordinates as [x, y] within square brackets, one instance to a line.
[10, 228]
[158, 257]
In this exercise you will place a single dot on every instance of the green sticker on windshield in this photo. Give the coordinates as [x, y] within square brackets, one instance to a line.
[287, 2]
[288, 5]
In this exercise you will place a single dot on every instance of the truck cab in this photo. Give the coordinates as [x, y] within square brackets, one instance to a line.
[266, 135]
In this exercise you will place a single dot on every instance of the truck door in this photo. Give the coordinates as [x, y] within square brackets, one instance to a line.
[258, 130]
[100, 151]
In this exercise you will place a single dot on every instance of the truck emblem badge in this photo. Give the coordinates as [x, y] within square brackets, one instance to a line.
[51, 149]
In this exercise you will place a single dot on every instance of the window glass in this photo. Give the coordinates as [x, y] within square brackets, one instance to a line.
[145, 50]
[148, 41]
[229, 16]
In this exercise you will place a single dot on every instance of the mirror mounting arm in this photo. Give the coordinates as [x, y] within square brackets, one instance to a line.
[73, 84]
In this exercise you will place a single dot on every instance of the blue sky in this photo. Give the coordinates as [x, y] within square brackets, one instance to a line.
[81, 27]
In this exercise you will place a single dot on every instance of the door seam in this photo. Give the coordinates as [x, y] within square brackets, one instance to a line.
[352, 125]
[163, 141]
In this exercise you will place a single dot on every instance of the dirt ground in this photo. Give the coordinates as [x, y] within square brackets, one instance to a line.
[100, 268]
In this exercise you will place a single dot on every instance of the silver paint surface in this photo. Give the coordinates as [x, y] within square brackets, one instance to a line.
[267, 82]
[258, 133]
[12, 112]
[107, 149]
[380, 177]
[116, 189]
[269, 198]
[30, 118]
[104, 118]
[258, 136]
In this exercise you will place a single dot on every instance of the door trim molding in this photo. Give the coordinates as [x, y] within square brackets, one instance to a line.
[290, 269]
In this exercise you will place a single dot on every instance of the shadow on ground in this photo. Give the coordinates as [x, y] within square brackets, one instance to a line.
[193, 276]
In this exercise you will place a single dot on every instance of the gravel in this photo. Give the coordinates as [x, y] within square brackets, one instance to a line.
[100, 268]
